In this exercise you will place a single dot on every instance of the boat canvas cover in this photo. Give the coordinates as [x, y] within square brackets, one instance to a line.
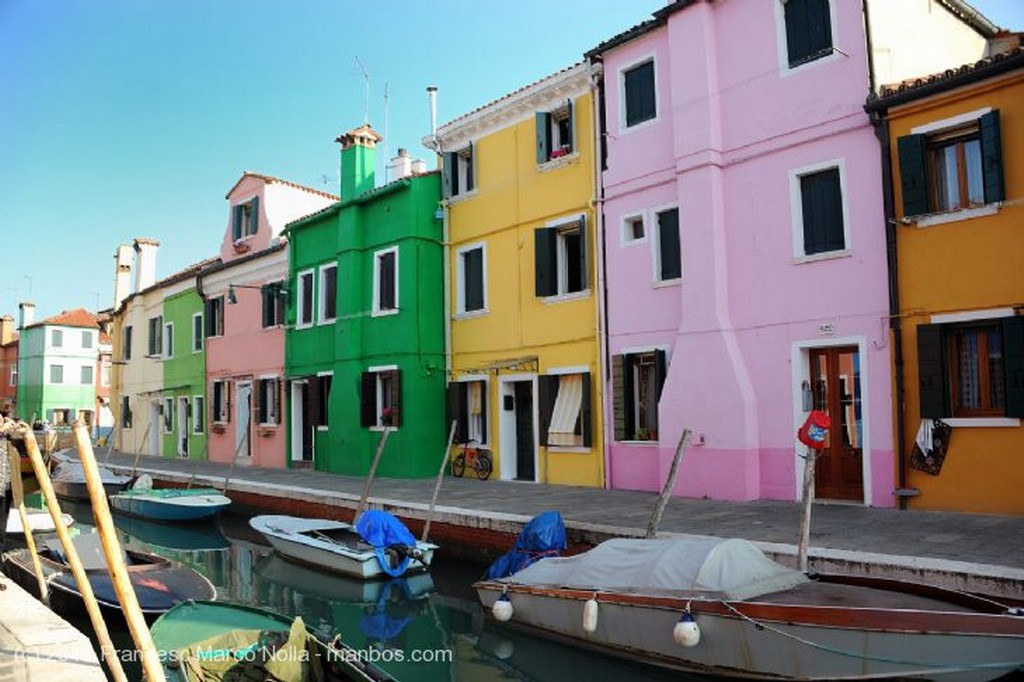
[727, 568]
[72, 472]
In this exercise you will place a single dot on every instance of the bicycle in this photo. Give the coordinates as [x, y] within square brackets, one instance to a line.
[477, 459]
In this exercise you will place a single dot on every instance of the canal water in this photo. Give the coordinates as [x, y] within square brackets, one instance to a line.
[434, 617]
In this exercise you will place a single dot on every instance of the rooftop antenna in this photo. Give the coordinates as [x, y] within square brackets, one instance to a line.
[387, 155]
[366, 94]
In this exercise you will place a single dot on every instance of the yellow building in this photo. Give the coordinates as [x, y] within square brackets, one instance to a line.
[957, 155]
[522, 281]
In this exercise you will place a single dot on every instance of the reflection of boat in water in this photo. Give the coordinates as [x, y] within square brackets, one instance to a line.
[159, 583]
[336, 587]
[214, 640]
[181, 537]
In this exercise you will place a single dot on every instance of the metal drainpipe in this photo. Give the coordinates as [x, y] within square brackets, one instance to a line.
[895, 323]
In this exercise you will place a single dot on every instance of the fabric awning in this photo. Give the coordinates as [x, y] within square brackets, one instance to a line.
[566, 411]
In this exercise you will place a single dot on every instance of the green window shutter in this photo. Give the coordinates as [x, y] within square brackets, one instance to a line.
[543, 132]
[668, 243]
[913, 177]
[368, 399]
[545, 247]
[822, 203]
[586, 414]
[572, 133]
[261, 404]
[931, 364]
[797, 30]
[639, 93]
[468, 156]
[547, 389]
[473, 268]
[451, 182]
[992, 157]
[584, 273]
[1013, 365]
[236, 222]
[267, 294]
[396, 398]
[483, 411]
[458, 410]
[254, 215]
[622, 397]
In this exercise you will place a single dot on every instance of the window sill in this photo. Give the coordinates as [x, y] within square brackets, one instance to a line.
[811, 61]
[557, 162]
[470, 314]
[305, 325]
[633, 242]
[569, 449]
[384, 313]
[828, 255]
[380, 429]
[562, 298]
[954, 216]
[462, 196]
[322, 429]
[323, 322]
[649, 443]
[662, 283]
[639, 125]
[982, 422]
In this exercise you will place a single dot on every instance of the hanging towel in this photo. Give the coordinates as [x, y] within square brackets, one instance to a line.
[924, 436]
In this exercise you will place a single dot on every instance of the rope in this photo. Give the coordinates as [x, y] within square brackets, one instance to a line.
[881, 659]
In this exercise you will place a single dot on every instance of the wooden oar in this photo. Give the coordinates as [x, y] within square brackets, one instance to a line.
[107, 649]
[670, 483]
[151, 666]
[440, 478]
[18, 497]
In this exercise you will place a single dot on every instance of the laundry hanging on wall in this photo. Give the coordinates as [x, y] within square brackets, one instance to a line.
[930, 446]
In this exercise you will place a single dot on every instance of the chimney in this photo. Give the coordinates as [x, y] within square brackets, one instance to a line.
[432, 97]
[401, 165]
[358, 159]
[6, 330]
[27, 315]
[419, 166]
[145, 262]
[122, 274]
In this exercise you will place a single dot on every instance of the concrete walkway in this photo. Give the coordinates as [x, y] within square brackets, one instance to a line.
[939, 545]
[38, 645]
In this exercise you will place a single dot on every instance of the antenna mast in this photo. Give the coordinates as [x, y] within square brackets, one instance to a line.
[366, 93]
[387, 155]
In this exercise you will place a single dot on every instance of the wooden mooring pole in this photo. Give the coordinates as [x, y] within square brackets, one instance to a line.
[805, 516]
[18, 498]
[440, 478]
[670, 484]
[373, 472]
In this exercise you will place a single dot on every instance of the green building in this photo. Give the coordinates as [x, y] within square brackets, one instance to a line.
[184, 367]
[366, 344]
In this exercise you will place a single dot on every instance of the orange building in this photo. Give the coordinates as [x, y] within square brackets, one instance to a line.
[956, 155]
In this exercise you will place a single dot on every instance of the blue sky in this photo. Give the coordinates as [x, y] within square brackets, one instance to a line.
[133, 118]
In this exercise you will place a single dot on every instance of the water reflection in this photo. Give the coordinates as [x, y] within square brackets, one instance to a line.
[434, 614]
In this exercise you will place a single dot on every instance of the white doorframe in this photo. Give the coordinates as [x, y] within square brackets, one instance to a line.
[297, 409]
[156, 426]
[183, 423]
[506, 435]
[243, 418]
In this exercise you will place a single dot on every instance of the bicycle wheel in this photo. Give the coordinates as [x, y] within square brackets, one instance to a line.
[459, 465]
[483, 467]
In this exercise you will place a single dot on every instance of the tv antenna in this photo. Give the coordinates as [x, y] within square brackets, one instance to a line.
[366, 92]
[387, 155]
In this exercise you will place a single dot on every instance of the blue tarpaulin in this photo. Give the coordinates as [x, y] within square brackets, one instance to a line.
[543, 536]
[382, 530]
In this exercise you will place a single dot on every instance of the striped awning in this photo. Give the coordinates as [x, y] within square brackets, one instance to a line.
[566, 411]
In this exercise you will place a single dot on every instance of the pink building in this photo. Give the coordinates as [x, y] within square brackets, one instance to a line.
[244, 320]
[745, 240]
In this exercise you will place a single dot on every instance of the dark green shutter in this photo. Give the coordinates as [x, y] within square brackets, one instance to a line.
[368, 399]
[468, 157]
[457, 410]
[913, 177]
[261, 404]
[267, 294]
[543, 132]
[236, 221]
[660, 371]
[569, 126]
[992, 157]
[931, 367]
[547, 388]
[254, 216]
[483, 411]
[640, 96]
[1013, 363]
[586, 414]
[822, 203]
[797, 30]
[545, 244]
[451, 183]
[473, 268]
[396, 398]
[668, 240]
[584, 241]
[622, 396]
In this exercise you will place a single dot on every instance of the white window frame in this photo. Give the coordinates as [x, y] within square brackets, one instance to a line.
[379, 394]
[655, 240]
[49, 374]
[797, 211]
[106, 368]
[157, 352]
[782, 44]
[561, 226]
[621, 85]
[300, 308]
[126, 341]
[14, 375]
[69, 417]
[474, 425]
[275, 405]
[377, 310]
[56, 338]
[626, 221]
[460, 298]
[167, 415]
[324, 407]
[92, 375]
[86, 339]
[222, 416]
[321, 308]
[168, 340]
[198, 407]
[198, 341]
[465, 170]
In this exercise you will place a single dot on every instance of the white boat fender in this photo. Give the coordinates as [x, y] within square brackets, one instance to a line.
[686, 632]
[502, 608]
[590, 615]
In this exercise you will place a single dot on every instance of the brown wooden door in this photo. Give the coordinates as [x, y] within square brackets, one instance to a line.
[835, 386]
